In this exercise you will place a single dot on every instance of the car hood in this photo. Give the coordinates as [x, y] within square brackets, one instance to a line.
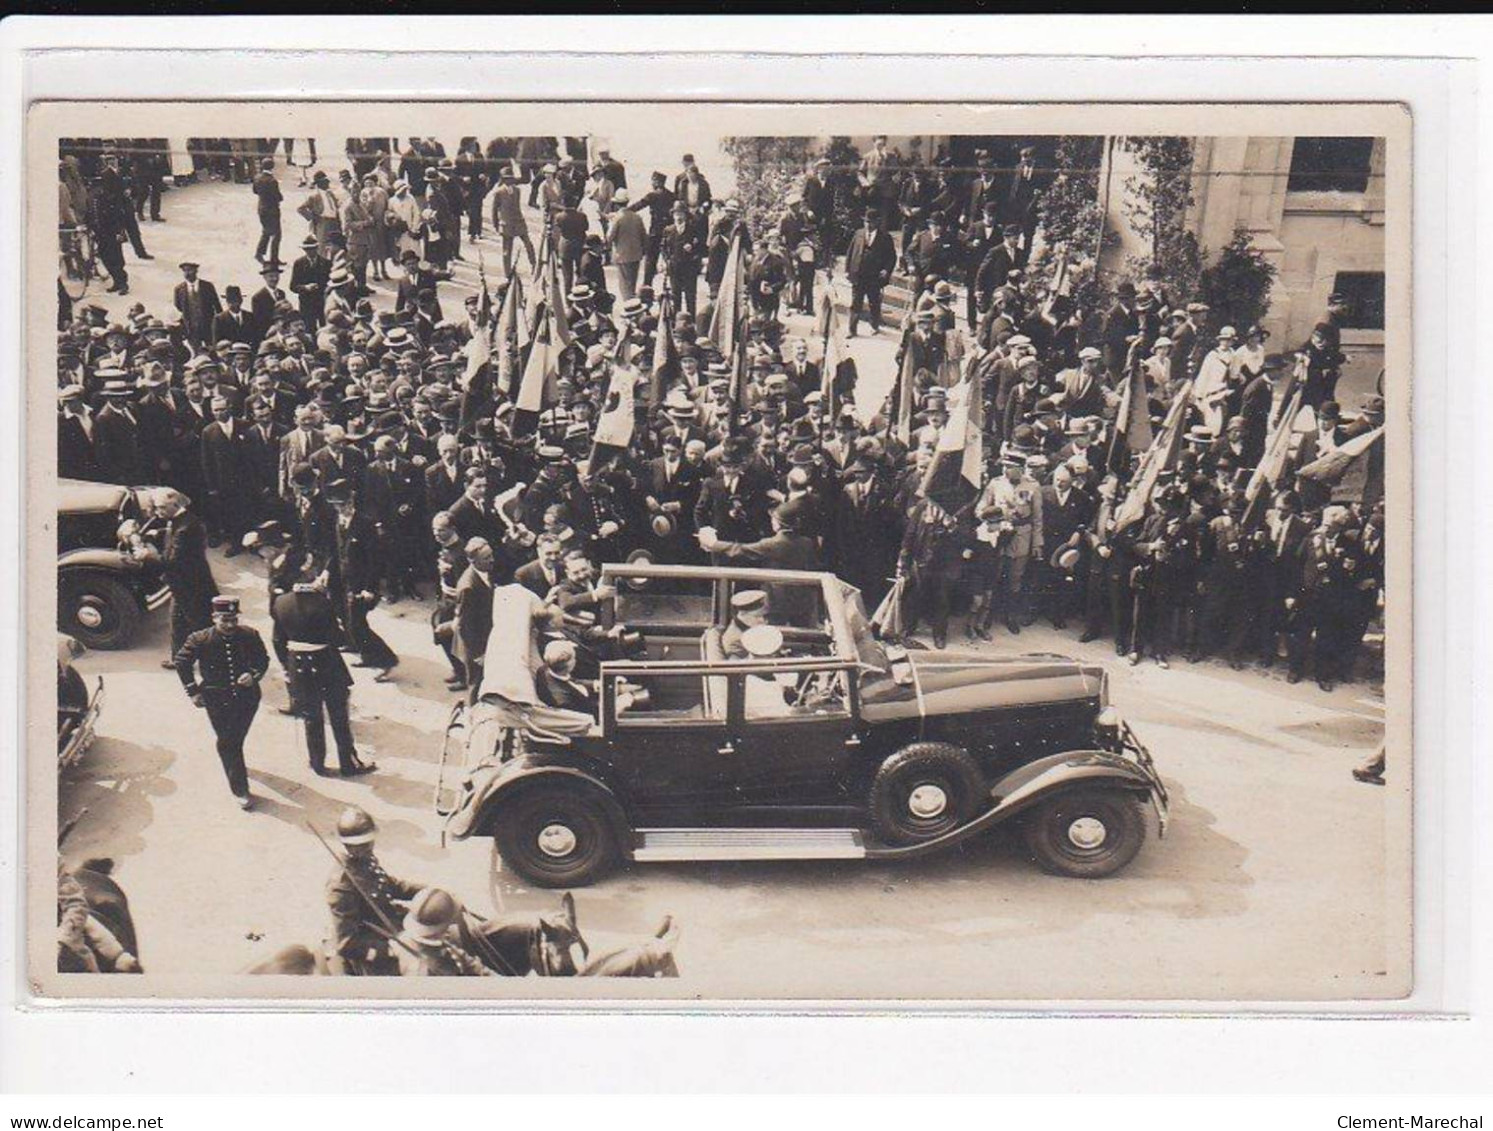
[79, 496]
[951, 682]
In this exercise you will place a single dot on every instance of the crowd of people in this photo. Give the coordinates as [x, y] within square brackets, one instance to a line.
[1141, 472]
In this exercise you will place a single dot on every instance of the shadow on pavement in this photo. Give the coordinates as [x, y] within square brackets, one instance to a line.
[305, 804]
[116, 783]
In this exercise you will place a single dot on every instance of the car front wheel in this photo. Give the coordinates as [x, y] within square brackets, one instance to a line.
[556, 836]
[1086, 833]
[96, 609]
[923, 791]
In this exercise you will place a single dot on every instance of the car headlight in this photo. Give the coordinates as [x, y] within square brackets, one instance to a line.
[1107, 725]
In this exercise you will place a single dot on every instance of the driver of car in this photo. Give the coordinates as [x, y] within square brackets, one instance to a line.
[748, 609]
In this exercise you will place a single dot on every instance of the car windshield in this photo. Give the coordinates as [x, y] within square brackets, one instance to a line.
[868, 649]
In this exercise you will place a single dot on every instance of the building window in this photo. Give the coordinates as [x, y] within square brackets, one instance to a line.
[1363, 295]
[1330, 164]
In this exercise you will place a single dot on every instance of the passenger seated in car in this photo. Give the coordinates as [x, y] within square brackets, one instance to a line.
[767, 696]
[748, 608]
[556, 681]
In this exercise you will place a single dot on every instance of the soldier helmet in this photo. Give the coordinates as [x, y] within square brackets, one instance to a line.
[431, 912]
[355, 826]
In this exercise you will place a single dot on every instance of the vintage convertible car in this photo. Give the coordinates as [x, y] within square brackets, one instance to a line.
[102, 591]
[877, 753]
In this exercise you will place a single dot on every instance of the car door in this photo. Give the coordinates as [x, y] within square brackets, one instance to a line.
[801, 757]
[666, 757]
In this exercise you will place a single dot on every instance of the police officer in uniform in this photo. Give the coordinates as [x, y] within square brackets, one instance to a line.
[221, 667]
[306, 623]
[362, 897]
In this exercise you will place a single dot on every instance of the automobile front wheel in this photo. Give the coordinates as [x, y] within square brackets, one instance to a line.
[97, 609]
[923, 791]
[1086, 833]
[556, 836]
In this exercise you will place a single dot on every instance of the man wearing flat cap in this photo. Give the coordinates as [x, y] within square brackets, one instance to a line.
[220, 668]
[197, 302]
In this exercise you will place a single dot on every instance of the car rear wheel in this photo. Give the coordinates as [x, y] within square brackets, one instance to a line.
[923, 791]
[96, 609]
[1086, 833]
[556, 836]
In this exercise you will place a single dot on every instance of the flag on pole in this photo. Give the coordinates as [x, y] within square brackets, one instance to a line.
[726, 313]
[665, 362]
[1268, 472]
[538, 388]
[559, 309]
[508, 335]
[836, 366]
[901, 425]
[1132, 423]
[541, 269]
[1159, 456]
[953, 478]
[738, 376]
[614, 426]
[1346, 467]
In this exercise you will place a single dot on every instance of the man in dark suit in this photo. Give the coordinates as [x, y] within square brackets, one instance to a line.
[982, 235]
[220, 668]
[473, 515]
[75, 429]
[868, 264]
[233, 324]
[473, 623]
[339, 459]
[197, 301]
[445, 478]
[261, 461]
[984, 192]
[1121, 323]
[680, 248]
[308, 282]
[556, 682]
[995, 269]
[1066, 510]
[1255, 403]
[224, 471]
[1020, 195]
[546, 571]
[392, 501]
[267, 204]
[733, 502]
[692, 189]
[116, 434]
[262, 304]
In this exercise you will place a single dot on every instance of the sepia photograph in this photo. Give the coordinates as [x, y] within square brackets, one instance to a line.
[795, 553]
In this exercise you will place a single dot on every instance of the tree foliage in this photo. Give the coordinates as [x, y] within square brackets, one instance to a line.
[1072, 220]
[844, 162]
[1236, 286]
[767, 169]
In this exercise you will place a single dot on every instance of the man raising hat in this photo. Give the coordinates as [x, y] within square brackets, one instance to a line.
[221, 667]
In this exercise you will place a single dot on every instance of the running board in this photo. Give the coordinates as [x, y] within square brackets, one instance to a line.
[657, 845]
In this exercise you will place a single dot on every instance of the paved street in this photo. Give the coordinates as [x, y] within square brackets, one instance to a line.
[1271, 882]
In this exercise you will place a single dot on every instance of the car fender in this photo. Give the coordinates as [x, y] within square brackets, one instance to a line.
[1025, 786]
[97, 557]
[527, 769]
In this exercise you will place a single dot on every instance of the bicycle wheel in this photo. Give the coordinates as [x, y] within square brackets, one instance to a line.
[75, 265]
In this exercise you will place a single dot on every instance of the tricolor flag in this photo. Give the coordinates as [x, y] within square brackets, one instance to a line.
[538, 388]
[614, 426]
[726, 313]
[1159, 456]
[953, 478]
[559, 308]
